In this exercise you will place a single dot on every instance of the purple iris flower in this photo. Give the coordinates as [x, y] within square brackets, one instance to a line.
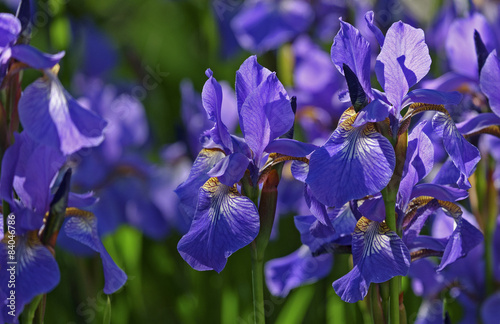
[356, 145]
[265, 25]
[465, 277]
[27, 183]
[223, 219]
[10, 29]
[120, 176]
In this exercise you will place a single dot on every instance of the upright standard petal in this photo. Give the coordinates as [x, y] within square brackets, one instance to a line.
[296, 269]
[378, 253]
[354, 163]
[265, 115]
[10, 27]
[249, 76]
[464, 155]
[351, 48]
[212, 102]
[52, 117]
[224, 222]
[490, 81]
[35, 273]
[403, 61]
[83, 228]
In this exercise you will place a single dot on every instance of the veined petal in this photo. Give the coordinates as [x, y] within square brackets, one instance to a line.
[403, 61]
[418, 163]
[212, 102]
[294, 270]
[265, 115]
[441, 192]
[52, 117]
[249, 76]
[351, 48]
[354, 163]
[36, 271]
[34, 58]
[230, 169]
[460, 47]
[83, 228]
[464, 155]
[490, 81]
[378, 253]
[188, 190]
[224, 222]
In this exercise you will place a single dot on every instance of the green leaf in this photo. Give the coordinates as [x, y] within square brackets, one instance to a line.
[294, 311]
[107, 312]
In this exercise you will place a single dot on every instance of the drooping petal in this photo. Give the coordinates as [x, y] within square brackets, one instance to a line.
[460, 47]
[418, 163]
[294, 270]
[403, 61]
[464, 238]
[34, 58]
[52, 117]
[464, 155]
[378, 253]
[224, 222]
[354, 163]
[230, 169]
[212, 102]
[265, 115]
[448, 174]
[490, 81]
[83, 228]
[290, 147]
[351, 48]
[36, 271]
[188, 190]
[479, 123]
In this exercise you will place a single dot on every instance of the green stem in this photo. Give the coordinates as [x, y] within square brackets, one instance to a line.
[375, 305]
[490, 214]
[394, 288]
[267, 210]
[258, 285]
